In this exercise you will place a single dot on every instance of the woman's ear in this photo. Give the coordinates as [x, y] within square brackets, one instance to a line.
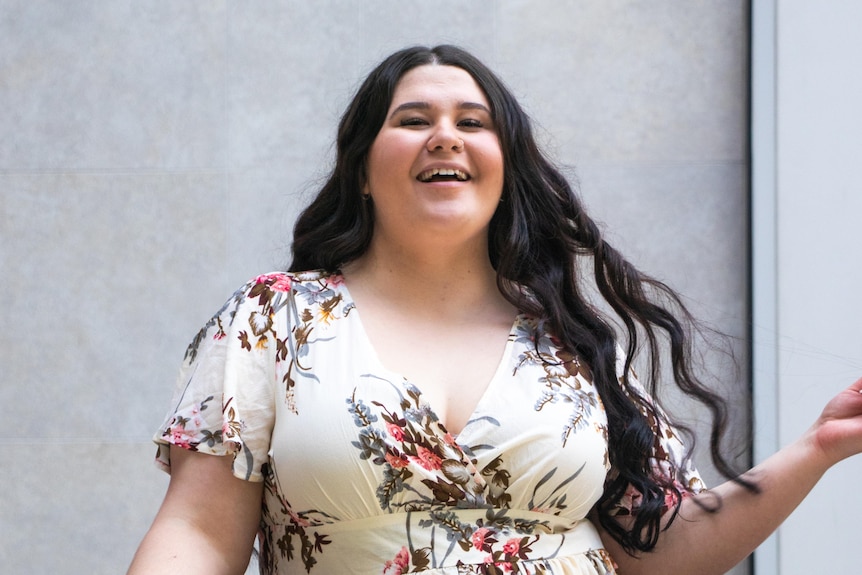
[363, 182]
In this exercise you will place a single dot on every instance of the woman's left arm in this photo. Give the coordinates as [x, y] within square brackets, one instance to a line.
[700, 542]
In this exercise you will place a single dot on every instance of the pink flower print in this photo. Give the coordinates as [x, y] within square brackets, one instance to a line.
[334, 281]
[180, 437]
[448, 439]
[395, 431]
[478, 539]
[280, 282]
[671, 498]
[512, 546]
[398, 564]
[395, 461]
[427, 459]
[505, 567]
[403, 557]
[630, 501]
[219, 334]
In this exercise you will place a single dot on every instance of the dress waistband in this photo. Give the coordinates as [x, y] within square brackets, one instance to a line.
[453, 540]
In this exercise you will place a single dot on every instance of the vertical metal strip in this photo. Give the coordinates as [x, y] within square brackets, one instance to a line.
[764, 249]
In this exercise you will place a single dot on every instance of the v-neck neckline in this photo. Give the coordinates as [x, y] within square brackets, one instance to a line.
[502, 366]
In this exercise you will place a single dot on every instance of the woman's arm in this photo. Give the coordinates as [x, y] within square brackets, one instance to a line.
[699, 542]
[207, 522]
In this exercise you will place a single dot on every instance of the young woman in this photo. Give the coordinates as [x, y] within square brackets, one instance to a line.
[428, 390]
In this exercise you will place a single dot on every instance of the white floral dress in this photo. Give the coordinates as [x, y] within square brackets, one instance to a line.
[360, 475]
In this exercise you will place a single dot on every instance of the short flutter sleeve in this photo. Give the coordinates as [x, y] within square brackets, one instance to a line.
[669, 458]
[223, 400]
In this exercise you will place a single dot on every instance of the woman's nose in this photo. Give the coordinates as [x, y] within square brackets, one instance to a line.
[445, 137]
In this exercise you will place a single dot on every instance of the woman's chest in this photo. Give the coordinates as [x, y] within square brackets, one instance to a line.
[353, 440]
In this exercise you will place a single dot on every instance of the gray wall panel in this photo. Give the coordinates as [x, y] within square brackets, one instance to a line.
[79, 507]
[112, 85]
[104, 276]
[632, 81]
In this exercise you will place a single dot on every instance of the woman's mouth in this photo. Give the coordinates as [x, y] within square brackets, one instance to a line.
[443, 175]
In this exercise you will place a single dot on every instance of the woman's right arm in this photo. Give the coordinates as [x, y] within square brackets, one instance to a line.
[702, 542]
[207, 522]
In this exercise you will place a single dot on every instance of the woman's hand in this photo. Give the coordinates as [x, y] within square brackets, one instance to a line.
[837, 433]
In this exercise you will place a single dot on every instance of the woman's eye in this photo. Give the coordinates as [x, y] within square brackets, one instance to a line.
[471, 123]
[413, 122]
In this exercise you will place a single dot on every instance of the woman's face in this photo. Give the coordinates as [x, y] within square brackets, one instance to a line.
[435, 169]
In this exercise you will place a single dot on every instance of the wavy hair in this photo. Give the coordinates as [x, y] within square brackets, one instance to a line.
[538, 238]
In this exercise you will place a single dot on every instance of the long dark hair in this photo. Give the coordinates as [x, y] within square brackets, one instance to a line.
[539, 238]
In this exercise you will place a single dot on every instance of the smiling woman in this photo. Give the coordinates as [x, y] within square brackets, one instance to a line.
[428, 389]
[435, 169]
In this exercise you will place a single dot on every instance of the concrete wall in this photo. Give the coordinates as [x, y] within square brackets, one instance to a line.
[808, 257]
[154, 155]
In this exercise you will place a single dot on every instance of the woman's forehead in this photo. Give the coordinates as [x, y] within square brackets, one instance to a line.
[432, 82]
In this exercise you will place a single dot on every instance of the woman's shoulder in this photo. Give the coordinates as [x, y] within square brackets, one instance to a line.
[296, 280]
[312, 285]
[275, 292]
[266, 300]
[315, 296]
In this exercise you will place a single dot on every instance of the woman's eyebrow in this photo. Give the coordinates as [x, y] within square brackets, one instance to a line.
[427, 106]
[474, 106]
[411, 106]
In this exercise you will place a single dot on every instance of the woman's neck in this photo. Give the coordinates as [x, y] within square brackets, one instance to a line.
[432, 281]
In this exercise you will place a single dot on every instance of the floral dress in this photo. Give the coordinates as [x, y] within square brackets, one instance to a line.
[360, 475]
